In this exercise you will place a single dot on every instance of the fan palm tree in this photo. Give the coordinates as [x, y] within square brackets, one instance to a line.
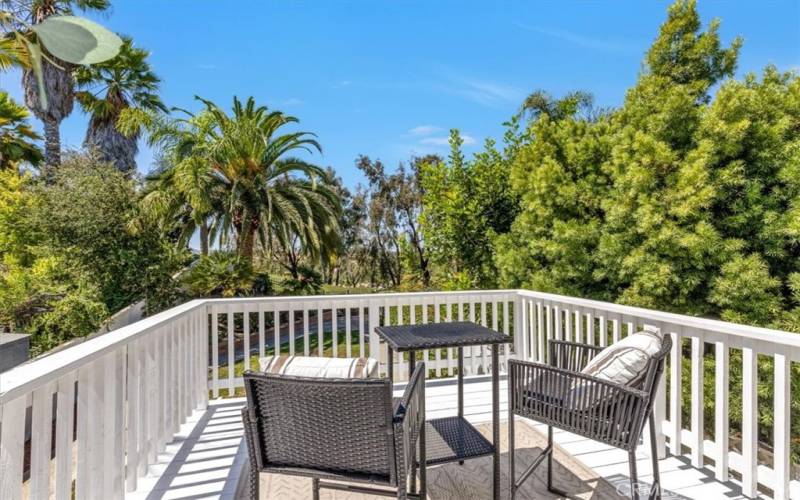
[57, 75]
[263, 188]
[121, 86]
[16, 135]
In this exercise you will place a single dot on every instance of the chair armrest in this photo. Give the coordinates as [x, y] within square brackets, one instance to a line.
[576, 402]
[571, 356]
[409, 419]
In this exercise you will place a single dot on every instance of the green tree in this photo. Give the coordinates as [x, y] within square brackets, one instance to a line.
[467, 203]
[55, 75]
[16, 136]
[259, 180]
[181, 195]
[86, 215]
[121, 86]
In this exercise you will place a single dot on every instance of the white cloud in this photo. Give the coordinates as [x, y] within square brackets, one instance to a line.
[292, 101]
[485, 92]
[444, 141]
[600, 44]
[424, 130]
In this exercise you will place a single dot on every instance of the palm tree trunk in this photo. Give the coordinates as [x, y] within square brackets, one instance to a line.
[246, 243]
[204, 238]
[52, 146]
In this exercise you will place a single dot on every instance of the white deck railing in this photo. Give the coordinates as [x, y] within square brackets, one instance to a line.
[126, 393]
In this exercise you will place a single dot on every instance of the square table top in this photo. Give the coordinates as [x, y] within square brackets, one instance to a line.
[435, 335]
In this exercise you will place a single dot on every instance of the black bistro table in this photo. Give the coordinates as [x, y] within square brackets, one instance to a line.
[453, 439]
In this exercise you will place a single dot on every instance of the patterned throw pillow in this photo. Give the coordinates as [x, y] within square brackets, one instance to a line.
[625, 362]
[311, 366]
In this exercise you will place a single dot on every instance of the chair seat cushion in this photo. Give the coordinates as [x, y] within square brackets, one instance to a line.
[312, 366]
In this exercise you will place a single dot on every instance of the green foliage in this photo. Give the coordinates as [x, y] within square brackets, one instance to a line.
[467, 203]
[69, 257]
[307, 282]
[119, 95]
[16, 136]
[225, 274]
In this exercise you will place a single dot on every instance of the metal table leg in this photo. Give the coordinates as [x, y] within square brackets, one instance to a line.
[460, 387]
[496, 421]
[461, 382]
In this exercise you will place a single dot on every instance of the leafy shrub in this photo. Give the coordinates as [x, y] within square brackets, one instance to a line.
[307, 282]
[226, 274]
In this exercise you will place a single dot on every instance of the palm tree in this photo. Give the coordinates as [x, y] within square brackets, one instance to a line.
[123, 88]
[265, 193]
[181, 194]
[16, 135]
[57, 75]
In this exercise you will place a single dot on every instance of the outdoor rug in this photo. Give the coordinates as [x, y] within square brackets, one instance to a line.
[471, 481]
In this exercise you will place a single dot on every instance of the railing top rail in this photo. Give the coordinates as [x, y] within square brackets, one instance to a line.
[26, 377]
[750, 332]
[360, 296]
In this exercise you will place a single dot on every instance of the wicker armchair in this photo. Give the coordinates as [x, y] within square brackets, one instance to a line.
[339, 430]
[604, 411]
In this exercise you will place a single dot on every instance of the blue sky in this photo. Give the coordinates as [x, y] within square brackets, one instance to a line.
[388, 79]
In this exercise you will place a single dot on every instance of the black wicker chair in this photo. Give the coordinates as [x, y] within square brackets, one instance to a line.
[347, 430]
[607, 412]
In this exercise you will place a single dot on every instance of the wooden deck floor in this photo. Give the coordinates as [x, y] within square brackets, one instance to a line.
[205, 459]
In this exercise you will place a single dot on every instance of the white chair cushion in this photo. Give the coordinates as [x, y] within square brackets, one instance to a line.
[625, 362]
[311, 366]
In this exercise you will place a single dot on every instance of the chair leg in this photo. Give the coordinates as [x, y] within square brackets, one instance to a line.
[412, 488]
[315, 488]
[634, 478]
[550, 458]
[655, 491]
[512, 476]
[551, 447]
[254, 482]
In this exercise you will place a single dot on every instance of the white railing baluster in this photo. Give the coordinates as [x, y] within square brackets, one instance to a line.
[41, 422]
[12, 443]
[132, 421]
[215, 352]
[374, 342]
[171, 388]
[749, 420]
[448, 312]
[97, 429]
[348, 342]
[246, 337]
[231, 350]
[306, 338]
[143, 418]
[320, 330]
[697, 398]
[675, 396]
[782, 430]
[276, 331]
[65, 423]
[262, 310]
[291, 319]
[721, 418]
